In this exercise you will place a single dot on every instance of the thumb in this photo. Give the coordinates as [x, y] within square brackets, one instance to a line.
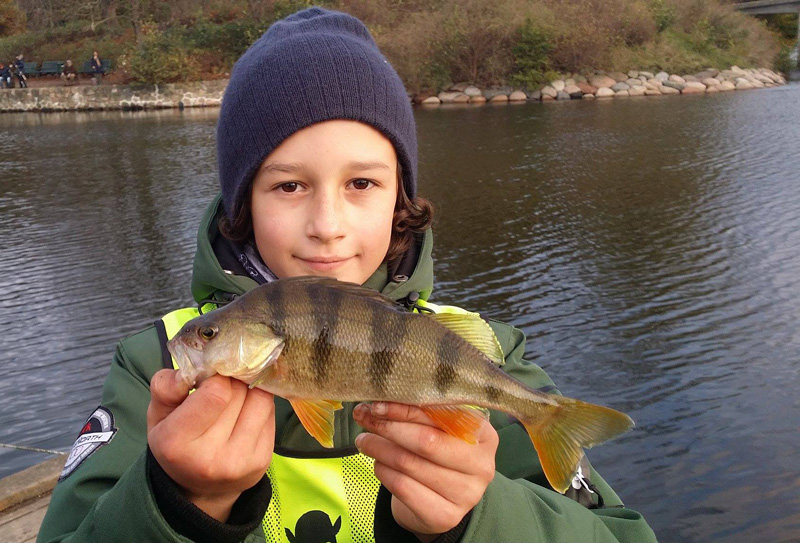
[167, 392]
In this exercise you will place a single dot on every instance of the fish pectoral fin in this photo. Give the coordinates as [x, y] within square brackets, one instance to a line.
[316, 417]
[461, 421]
[565, 430]
[475, 331]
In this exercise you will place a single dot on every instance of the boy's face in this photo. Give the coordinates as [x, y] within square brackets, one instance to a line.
[323, 202]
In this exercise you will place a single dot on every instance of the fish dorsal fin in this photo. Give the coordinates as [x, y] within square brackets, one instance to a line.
[475, 331]
[352, 289]
[317, 418]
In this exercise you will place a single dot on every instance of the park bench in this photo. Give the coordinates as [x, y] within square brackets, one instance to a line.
[87, 67]
[51, 67]
[31, 69]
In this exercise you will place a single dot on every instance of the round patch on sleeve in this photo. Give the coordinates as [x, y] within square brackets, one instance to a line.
[98, 430]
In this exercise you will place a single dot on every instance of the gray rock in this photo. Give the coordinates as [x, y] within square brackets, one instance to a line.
[563, 96]
[472, 91]
[558, 84]
[620, 87]
[706, 74]
[646, 75]
[673, 84]
[677, 79]
[535, 95]
[662, 76]
[451, 97]
[669, 90]
[688, 78]
[633, 74]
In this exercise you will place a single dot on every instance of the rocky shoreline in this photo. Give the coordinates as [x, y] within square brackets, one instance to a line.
[601, 85]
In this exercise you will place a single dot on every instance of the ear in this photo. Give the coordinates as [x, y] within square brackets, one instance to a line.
[338, 524]
[289, 535]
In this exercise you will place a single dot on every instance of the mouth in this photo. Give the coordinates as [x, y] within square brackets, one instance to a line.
[189, 360]
[324, 263]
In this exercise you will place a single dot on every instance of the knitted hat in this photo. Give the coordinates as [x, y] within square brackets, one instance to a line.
[313, 66]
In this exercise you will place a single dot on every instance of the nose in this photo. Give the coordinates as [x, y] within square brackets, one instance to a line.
[326, 222]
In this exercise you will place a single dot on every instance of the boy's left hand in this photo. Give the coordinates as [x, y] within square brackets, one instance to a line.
[435, 478]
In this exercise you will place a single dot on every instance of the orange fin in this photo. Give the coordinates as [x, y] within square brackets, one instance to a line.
[461, 421]
[565, 430]
[317, 418]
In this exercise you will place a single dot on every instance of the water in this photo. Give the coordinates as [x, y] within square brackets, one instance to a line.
[649, 248]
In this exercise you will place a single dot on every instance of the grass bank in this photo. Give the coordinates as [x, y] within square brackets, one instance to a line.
[432, 43]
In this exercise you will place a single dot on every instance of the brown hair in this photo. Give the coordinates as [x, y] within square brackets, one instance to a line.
[411, 216]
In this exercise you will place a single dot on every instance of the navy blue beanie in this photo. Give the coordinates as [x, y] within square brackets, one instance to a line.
[315, 65]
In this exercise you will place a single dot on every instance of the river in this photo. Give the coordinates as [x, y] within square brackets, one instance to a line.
[649, 248]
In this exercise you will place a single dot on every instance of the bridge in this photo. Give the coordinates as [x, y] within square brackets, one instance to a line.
[769, 7]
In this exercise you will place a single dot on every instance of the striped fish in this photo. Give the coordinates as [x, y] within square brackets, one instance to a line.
[318, 342]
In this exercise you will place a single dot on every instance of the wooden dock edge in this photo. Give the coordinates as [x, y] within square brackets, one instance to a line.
[30, 483]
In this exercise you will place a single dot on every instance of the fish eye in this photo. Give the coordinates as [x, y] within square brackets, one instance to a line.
[207, 332]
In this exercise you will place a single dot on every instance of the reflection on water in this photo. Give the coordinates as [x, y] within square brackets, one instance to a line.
[649, 249]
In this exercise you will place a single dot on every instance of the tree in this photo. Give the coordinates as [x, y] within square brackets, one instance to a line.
[12, 18]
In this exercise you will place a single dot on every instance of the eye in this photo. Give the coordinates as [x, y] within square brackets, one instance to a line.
[362, 184]
[207, 332]
[288, 187]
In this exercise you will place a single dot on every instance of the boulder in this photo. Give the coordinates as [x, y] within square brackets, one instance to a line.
[711, 82]
[477, 99]
[688, 78]
[757, 84]
[574, 91]
[738, 71]
[693, 90]
[620, 87]
[662, 76]
[549, 91]
[563, 96]
[450, 97]
[588, 97]
[633, 81]
[666, 89]
[547, 98]
[579, 79]
[535, 95]
[726, 86]
[517, 96]
[653, 84]
[633, 74]
[695, 85]
[568, 82]
[459, 87]
[558, 84]
[674, 85]
[619, 77]
[743, 84]
[604, 92]
[602, 81]
[646, 75]
[499, 98]
[706, 74]
[586, 88]
[491, 93]
[677, 79]
[622, 94]
[472, 91]
[637, 91]
[652, 92]
[431, 101]
[712, 90]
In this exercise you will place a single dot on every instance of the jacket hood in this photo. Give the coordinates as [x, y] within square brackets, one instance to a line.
[211, 281]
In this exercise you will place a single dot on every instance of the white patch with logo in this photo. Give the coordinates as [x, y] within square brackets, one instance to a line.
[98, 430]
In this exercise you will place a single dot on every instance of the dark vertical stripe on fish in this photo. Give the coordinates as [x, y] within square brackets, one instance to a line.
[321, 361]
[493, 393]
[388, 331]
[277, 321]
[447, 358]
[328, 302]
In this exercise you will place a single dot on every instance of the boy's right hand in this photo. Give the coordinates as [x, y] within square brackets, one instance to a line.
[216, 443]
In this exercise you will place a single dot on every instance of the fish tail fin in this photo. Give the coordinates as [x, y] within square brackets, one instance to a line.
[565, 430]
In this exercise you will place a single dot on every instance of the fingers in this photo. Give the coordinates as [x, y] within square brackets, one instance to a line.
[409, 426]
[168, 391]
[449, 484]
[256, 420]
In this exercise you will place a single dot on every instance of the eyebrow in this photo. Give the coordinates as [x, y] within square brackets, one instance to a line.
[354, 165]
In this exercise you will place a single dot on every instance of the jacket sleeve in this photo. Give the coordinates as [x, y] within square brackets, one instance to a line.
[519, 505]
[109, 498]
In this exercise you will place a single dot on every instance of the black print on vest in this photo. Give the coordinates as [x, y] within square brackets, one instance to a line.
[314, 527]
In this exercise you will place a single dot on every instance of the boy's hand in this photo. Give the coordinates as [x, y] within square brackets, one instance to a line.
[216, 443]
[435, 478]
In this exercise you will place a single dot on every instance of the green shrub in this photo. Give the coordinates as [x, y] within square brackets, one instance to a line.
[783, 61]
[161, 57]
[531, 57]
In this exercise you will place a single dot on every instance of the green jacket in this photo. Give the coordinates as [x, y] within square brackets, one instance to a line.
[109, 497]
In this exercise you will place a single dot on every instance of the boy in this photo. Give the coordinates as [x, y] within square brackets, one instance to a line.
[318, 163]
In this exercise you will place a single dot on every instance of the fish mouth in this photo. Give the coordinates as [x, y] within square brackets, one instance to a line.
[188, 360]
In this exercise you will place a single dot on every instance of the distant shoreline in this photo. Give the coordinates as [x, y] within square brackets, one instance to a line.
[209, 93]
